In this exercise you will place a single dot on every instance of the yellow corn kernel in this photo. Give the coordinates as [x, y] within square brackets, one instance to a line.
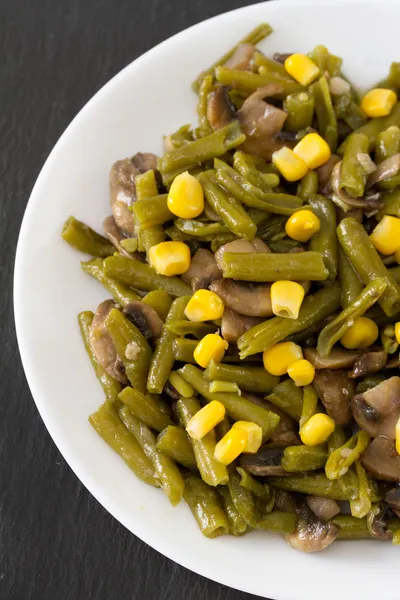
[231, 445]
[386, 235]
[205, 420]
[286, 298]
[204, 306]
[186, 197]
[278, 358]
[301, 68]
[211, 347]
[302, 225]
[397, 255]
[170, 258]
[397, 332]
[254, 435]
[378, 102]
[397, 434]
[313, 149]
[317, 429]
[362, 334]
[291, 166]
[302, 372]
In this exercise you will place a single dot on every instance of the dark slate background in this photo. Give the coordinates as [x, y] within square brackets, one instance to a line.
[56, 541]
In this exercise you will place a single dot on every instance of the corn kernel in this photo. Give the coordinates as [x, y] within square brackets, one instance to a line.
[302, 372]
[397, 434]
[254, 435]
[386, 235]
[313, 149]
[186, 197]
[397, 332]
[362, 334]
[302, 225]
[211, 347]
[291, 166]
[378, 102]
[204, 306]
[231, 446]
[278, 358]
[301, 68]
[317, 429]
[170, 258]
[286, 298]
[205, 420]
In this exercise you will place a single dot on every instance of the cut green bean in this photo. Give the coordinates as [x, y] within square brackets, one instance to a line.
[310, 403]
[250, 379]
[387, 143]
[391, 203]
[348, 110]
[308, 186]
[224, 386]
[185, 327]
[361, 505]
[300, 109]
[237, 525]
[350, 283]
[246, 167]
[325, 61]
[351, 528]
[289, 398]
[160, 301]
[204, 503]
[373, 127]
[121, 293]
[206, 87]
[174, 442]
[83, 238]
[183, 350]
[304, 458]
[205, 231]
[182, 387]
[341, 459]
[326, 118]
[353, 175]
[325, 240]
[151, 212]
[248, 83]
[150, 409]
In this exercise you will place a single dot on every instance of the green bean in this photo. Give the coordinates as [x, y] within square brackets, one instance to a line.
[387, 143]
[361, 505]
[350, 283]
[348, 110]
[182, 387]
[304, 458]
[254, 37]
[222, 428]
[163, 358]
[109, 426]
[395, 273]
[348, 482]
[173, 441]
[199, 330]
[83, 238]
[353, 175]
[212, 472]
[124, 332]
[336, 439]
[325, 240]
[259, 490]
[300, 109]
[228, 209]
[243, 164]
[150, 409]
[310, 402]
[206, 87]
[391, 203]
[393, 79]
[160, 301]
[367, 263]
[151, 236]
[130, 245]
[146, 185]
[351, 528]
[237, 407]
[326, 118]
[237, 525]
[288, 398]
[142, 277]
[198, 229]
[335, 330]
[151, 212]
[248, 83]
[243, 500]
[183, 350]
[314, 309]
[308, 186]
[373, 127]
[180, 137]
[110, 386]
[278, 522]
[272, 66]
[122, 294]
[204, 503]
[250, 379]
[265, 267]
[325, 61]
[166, 470]
[341, 459]
[203, 149]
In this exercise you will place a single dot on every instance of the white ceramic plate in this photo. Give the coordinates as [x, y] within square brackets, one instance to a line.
[149, 98]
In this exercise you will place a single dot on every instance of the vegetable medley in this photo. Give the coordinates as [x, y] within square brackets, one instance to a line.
[249, 355]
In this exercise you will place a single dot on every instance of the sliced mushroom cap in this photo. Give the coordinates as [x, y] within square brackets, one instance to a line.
[241, 58]
[267, 462]
[122, 187]
[241, 246]
[377, 410]
[220, 109]
[393, 499]
[115, 235]
[311, 534]
[102, 344]
[338, 358]
[381, 459]
[203, 270]
[253, 300]
[145, 318]
[335, 390]
[378, 521]
[323, 508]
[234, 325]
[369, 362]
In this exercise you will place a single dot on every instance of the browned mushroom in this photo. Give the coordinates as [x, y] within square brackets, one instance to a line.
[338, 358]
[116, 235]
[393, 499]
[253, 300]
[267, 462]
[220, 109]
[323, 508]
[241, 58]
[234, 325]
[369, 362]
[369, 202]
[262, 122]
[377, 410]
[203, 270]
[122, 186]
[311, 534]
[381, 459]
[280, 57]
[378, 522]
[241, 246]
[145, 318]
[102, 344]
[335, 390]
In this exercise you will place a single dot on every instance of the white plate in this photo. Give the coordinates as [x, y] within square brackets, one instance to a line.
[149, 98]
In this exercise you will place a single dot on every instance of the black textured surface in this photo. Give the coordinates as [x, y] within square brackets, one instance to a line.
[56, 541]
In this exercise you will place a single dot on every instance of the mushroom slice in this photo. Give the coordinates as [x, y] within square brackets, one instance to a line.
[122, 187]
[281, 57]
[338, 358]
[367, 202]
[378, 522]
[370, 362]
[377, 410]
[267, 462]
[102, 344]
[323, 508]
[253, 300]
[220, 109]
[335, 390]
[311, 534]
[145, 318]
[381, 459]
[393, 499]
[115, 235]
[203, 270]
[241, 58]
[241, 246]
[234, 325]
